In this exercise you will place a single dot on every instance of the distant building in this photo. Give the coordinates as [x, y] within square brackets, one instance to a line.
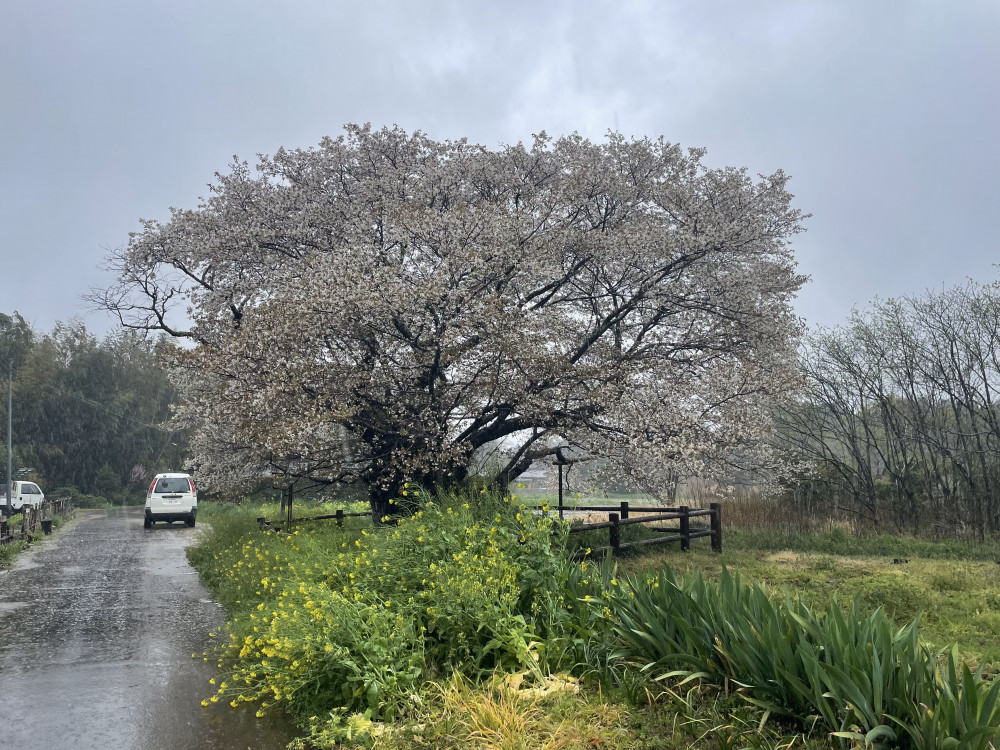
[536, 477]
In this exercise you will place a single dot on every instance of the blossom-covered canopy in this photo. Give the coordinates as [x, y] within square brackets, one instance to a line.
[382, 307]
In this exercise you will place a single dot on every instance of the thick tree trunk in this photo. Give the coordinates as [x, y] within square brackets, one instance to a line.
[380, 502]
[392, 494]
[386, 498]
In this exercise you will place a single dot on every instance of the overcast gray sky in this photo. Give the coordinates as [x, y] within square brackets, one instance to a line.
[885, 113]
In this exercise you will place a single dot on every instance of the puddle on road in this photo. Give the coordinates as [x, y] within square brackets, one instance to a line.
[6, 607]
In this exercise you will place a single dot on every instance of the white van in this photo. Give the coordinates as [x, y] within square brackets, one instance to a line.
[21, 494]
[171, 497]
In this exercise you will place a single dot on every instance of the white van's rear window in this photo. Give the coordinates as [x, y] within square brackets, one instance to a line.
[172, 484]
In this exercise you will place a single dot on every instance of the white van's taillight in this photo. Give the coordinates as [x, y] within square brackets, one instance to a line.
[193, 490]
[151, 486]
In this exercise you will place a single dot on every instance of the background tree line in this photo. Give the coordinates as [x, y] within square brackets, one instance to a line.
[898, 424]
[86, 411]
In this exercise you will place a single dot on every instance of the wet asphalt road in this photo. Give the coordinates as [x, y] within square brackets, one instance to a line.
[97, 627]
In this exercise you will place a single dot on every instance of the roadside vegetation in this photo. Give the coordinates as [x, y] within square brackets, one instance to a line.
[957, 597]
[83, 500]
[10, 551]
[468, 626]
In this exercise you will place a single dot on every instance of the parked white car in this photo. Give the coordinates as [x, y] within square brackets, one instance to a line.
[21, 494]
[171, 497]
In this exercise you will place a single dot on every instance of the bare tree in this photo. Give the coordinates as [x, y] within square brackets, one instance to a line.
[900, 407]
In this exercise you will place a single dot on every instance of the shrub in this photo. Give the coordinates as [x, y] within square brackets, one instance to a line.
[80, 499]
[356, 619]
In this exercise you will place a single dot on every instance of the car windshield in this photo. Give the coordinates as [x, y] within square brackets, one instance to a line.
[172, 484]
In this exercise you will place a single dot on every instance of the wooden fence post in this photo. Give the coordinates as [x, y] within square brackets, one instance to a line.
[685, 529]
[614, 532]
[624, 507]
[716, 527]
[340, 518]
[560, 491]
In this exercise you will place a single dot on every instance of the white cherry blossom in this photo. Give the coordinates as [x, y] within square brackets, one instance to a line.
[380, 307]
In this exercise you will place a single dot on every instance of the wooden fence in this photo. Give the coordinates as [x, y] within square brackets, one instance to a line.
[618, 516]
[32, 517]
[622, 515]
[339, 517]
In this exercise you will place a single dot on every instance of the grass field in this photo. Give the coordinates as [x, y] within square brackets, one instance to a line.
[953, 586]
[958, 600]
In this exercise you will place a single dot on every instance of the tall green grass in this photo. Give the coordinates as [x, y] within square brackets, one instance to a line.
[10, 551]
[851, 674]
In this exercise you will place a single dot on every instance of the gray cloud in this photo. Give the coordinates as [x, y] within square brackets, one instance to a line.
[884, 113]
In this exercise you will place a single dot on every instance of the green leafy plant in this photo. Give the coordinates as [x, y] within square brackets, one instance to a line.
[850, 673]
[356, 619]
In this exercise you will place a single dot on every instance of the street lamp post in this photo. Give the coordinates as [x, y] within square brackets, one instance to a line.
[560, 462]
[10, 451]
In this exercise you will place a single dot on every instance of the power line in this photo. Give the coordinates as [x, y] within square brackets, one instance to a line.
[98, 405]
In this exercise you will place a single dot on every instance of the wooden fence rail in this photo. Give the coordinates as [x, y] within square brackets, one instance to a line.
[339, 516]
[32, 517]
[620, 515]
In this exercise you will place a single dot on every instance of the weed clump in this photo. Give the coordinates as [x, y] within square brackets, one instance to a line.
[953, 580]
[357, 619]
[902, 597]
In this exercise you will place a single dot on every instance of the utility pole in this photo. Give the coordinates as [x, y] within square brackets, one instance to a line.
[10, 448]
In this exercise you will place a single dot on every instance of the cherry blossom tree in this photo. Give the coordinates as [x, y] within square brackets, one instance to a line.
[380, 307]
